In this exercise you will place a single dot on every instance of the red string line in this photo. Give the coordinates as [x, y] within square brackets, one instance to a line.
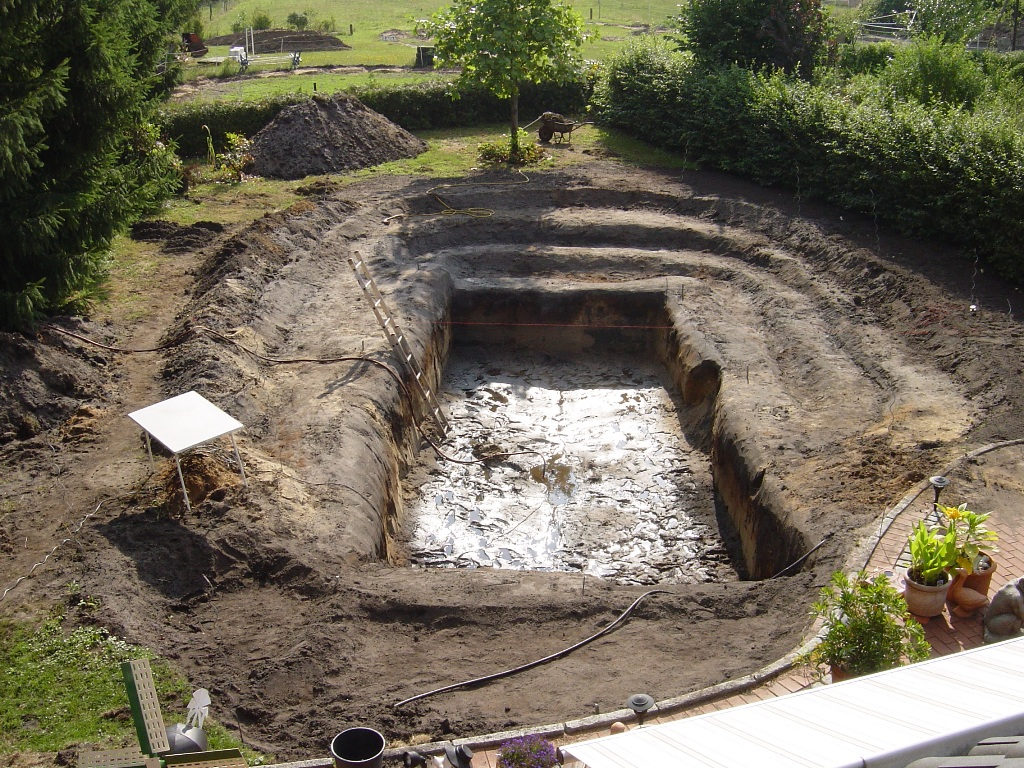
[556, 325]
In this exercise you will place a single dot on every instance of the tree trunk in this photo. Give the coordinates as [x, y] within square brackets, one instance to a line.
[1016, 21]
[513, 141]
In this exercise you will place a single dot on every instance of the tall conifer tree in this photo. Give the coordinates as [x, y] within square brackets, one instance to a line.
[78, 158]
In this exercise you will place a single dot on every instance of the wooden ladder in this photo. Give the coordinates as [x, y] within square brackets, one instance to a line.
[398, 342]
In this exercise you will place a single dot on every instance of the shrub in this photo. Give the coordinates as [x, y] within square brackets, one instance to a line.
[529, 751]
[953, 21]
[941, 173]
[261, 20]
[788, 34]
[930, 71]
[298, 21]
[865, 58]
[867, 627]
[433, 105]
[502, 152]
[184, 122]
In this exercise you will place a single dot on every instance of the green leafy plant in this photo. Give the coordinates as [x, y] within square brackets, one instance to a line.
[955, 21]
[867, 627]
[931, 71]
[525, 152]
[932, 554]
[973, 539]
[261, 19]
[236, 158]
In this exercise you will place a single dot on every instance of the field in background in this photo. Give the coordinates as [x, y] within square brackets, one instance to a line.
[360, 23]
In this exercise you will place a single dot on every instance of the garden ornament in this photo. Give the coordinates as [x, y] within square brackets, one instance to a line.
[190, 736]
[1005, 615]
[460, 756]
[198, 708]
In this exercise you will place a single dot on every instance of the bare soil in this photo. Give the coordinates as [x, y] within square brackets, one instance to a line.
[852, 363]
[328, 135]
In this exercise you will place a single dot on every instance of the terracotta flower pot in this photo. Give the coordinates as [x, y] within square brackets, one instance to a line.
[965, 600]
[838, 674]
[923, 600]
[979, 581]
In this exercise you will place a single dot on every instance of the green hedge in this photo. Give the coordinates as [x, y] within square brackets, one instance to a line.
[415, 108]
[183, 123]
[942, 173]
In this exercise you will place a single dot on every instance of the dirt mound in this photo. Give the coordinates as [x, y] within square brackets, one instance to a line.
[41, 385]
[277, 40]
[329, 135]
[176, 238]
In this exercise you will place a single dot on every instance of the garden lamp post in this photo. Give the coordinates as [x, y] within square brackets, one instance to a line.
[640, 703]
[938, 482]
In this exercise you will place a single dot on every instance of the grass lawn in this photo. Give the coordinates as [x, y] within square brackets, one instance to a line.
[374, 17]
[61, 685]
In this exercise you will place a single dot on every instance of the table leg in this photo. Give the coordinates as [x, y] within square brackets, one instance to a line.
[181, 477]
[238, 458]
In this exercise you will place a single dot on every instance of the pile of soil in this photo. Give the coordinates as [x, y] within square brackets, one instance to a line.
[176, 238]
[43, 384]
[329, 135]
[277, 40]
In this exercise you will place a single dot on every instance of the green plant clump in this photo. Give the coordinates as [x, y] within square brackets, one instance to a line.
[932, 554]
[973, 539]
[525, 152]
[867, 627]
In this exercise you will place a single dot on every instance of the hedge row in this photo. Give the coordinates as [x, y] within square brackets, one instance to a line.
[941, 173]
[415, 108]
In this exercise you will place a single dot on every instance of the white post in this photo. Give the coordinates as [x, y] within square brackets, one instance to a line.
[238, 458]
[184, 490]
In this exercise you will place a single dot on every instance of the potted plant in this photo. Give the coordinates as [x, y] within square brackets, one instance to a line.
[933, 554]
[530, 751]
[974, 561]
[974, 544]
[866, 628]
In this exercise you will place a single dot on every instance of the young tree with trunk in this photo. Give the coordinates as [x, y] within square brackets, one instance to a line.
[501, 44]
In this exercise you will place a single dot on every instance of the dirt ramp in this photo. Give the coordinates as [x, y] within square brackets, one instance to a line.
[326, 135]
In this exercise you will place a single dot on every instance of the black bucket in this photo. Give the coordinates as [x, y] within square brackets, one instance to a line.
[358, 748]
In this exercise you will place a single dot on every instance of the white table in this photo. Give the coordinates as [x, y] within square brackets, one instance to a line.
[183, 422]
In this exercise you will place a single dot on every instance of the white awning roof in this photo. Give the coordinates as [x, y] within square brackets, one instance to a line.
[941, 706]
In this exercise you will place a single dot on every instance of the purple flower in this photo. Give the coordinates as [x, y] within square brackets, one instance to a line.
[527, 752]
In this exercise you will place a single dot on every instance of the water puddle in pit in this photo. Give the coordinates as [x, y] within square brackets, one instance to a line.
[619, 492]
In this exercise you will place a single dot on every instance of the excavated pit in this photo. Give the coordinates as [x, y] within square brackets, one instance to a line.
[601, 464]
[817, 368]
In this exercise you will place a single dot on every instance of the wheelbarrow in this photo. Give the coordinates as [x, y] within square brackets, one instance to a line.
[554, 126]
